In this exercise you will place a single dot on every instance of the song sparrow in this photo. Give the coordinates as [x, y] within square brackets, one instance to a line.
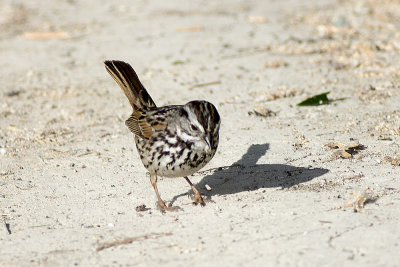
[172, 141]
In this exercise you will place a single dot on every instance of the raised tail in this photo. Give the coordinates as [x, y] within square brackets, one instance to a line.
[129, 82]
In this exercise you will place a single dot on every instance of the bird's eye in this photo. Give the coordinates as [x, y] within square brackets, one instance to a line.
[194, 128]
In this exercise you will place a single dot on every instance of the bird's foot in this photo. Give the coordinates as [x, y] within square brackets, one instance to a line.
[163, 207]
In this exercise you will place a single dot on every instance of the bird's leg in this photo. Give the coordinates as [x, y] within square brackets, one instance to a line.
[161, 203]
[197, 196]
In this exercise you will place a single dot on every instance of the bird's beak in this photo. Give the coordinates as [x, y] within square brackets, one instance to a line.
[207, 139]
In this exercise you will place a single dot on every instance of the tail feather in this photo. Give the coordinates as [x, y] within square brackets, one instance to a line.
[129, 82]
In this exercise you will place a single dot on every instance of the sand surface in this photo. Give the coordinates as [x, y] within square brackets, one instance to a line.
[289, 185]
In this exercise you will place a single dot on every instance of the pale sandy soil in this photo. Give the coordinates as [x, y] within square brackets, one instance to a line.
[70, 177]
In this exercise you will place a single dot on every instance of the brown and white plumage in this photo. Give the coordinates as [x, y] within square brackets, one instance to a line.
[172, 141]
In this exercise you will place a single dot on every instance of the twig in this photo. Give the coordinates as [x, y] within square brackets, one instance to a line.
[28, 188]
[46, 35]
[85, 153]
[129, 240]
[193, 28]
[205, 84]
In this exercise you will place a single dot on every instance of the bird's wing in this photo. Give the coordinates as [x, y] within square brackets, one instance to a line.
[146, 123]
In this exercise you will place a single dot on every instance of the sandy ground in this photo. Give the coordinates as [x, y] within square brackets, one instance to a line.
[290, 185]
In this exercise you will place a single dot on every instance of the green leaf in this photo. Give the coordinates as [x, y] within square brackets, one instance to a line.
[317, 100]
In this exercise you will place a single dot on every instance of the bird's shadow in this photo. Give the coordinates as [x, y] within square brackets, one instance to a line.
[246, 175]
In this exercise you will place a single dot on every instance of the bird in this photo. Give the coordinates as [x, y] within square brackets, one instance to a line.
[172, 141]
